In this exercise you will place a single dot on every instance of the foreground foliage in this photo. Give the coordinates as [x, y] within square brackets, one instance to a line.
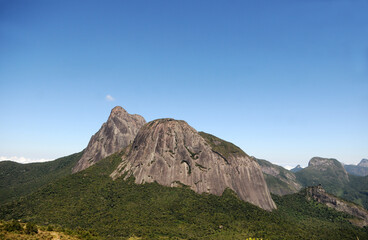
[120, 209]
[15, 230]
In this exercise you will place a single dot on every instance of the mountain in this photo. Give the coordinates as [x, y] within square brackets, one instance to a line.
[359, 170]
[296, 169]
[173, 182]
[172, 153]
[18, 180]
[326, 171]
[120, 209]
[356, 170]
[115, 134]
[363, 163]
[331, 174]
[279, 180]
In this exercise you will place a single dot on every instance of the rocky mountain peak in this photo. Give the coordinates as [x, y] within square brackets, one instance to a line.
[172, 153]
[363, 163]
[117, 110]
[115, 134]
[324, 164]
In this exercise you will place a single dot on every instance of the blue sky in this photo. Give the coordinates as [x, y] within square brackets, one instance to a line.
[283, 80]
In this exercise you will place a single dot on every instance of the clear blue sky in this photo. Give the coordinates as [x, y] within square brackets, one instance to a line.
[284, 80]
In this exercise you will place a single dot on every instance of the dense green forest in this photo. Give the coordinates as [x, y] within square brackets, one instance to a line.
[119, 209]
[18, 180]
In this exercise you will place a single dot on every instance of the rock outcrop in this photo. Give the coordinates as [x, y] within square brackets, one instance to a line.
[328, 164]
[363, 163]
[115, 134]
[318, 194]
[279, 180]
[172, 153]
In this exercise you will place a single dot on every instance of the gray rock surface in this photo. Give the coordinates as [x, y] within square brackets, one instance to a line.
[172, 153]
[115, 134]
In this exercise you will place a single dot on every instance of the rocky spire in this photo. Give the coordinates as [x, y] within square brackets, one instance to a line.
[115, 134]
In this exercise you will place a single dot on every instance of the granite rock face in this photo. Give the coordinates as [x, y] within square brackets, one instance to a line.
[115, 134]
[172, 153]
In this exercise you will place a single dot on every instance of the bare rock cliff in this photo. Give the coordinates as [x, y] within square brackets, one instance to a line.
[172, 153]
[115, 134]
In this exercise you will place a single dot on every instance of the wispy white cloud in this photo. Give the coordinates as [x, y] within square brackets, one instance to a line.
[23, 159]
[109, 98]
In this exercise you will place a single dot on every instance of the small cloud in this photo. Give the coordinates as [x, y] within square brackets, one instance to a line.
[109, 98]
[22, 159]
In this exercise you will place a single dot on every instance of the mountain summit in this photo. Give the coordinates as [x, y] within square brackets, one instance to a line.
[363, 163]
[172, 153]
[115, 134]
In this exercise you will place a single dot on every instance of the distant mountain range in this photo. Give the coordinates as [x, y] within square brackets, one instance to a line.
[163, 179]
[359, 170]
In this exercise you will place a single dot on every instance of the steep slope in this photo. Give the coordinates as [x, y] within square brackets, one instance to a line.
[172, 153]
[115, 134]
[279, 180]
[17, 180]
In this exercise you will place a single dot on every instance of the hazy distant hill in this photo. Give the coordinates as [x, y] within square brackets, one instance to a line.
[296, 169]
[18, 180]
[359, 170]
[279, 180]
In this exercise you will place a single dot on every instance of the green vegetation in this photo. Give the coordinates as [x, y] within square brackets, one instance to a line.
[221, 146]
[278, 187]
[334, 181]
[356, 170]
[283, 183]
[18, 180]
[119, 209]
[15, 230]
